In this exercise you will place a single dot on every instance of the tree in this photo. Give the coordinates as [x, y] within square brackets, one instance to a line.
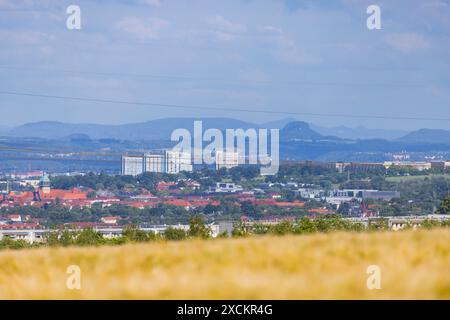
[248, 208]
[89, 237]
[61, 238]
[198, 229]
[8, 243]
[444, 208]
[430, 224]
[305, 225]
[174, 234]
[282, 228]
[240, 230]
[132, 233]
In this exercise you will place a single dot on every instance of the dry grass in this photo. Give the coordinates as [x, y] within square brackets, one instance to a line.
[414, 264]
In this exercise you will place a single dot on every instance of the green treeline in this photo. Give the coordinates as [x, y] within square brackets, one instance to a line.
[199, 230]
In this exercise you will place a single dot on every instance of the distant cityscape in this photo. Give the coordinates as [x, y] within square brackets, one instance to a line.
[108, 184]
[20, 191]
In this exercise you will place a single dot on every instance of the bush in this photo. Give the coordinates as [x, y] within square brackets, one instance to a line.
[61, 238]
[240, 230]
[378, 224]
[132, 233]
[429, 224]
[282, 228]
[89, 237]
[305, 226]
[175, 234]
[8, 243]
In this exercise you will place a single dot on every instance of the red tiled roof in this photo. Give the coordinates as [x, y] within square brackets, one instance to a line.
[319, 210]
[18, 226]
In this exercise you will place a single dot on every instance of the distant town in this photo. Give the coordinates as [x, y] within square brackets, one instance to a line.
[161, 190]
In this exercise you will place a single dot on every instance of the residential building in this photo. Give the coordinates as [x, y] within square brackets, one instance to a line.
[110, 220]
[338, 197]
[225, 188]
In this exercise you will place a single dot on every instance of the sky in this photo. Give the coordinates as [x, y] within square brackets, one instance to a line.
[305, 56]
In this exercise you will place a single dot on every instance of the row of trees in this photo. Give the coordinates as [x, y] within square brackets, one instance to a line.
[324, 224]
[199, 230]
[131, 234]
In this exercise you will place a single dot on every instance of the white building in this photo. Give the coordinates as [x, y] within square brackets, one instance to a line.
[167, 162]
[132, 165]
[420, 166]
[226, 159]
[176, 162]
[154, 163]
[222, 187]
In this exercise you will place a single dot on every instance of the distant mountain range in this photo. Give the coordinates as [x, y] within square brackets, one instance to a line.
[161, 129]
[301, 131]
[438, 136]
[344, 132]
[360, 132]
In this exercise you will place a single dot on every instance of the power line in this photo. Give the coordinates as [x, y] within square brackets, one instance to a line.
[227, 108]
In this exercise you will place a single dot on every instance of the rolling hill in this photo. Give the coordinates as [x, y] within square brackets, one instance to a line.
[151, 130]
[437, 136]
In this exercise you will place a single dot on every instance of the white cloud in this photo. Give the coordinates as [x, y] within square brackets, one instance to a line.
[406, 42]
[143, 29]
[221, 24]
[222, 29]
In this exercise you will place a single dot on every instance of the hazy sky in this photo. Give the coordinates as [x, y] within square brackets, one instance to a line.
[295, 56]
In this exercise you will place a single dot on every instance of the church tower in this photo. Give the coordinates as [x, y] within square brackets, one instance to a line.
[44, 184]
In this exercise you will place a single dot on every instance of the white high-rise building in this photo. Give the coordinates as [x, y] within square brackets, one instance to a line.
[132, 165]
[177, 162]
[226, 159]
[154, 163]
[167, 162]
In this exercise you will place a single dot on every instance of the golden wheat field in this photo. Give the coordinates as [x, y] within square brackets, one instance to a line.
[413, 264]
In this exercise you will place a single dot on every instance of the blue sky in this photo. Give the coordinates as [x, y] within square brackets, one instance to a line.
[294, 56]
